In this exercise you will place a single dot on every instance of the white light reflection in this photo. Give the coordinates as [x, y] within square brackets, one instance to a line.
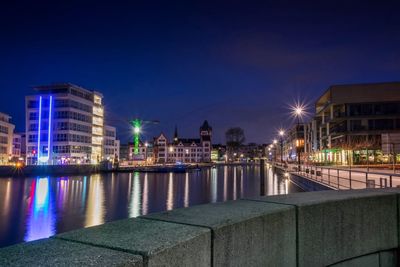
[134, 207]
[170, 196]
[270, 189]
[234, 185]
[286, 186]
[145, 202]
[95, 204]
[213, 186]
[226, 182]
[241, 183]
[186, 194]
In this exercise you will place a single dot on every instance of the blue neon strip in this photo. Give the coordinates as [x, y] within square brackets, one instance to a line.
[49, 132]
[40, 126]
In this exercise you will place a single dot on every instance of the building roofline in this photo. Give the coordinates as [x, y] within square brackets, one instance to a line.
[61, 85]
[354, 84]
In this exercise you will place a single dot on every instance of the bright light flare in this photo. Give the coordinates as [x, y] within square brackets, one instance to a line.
[281, 132]
[298, 110]
[136, 129]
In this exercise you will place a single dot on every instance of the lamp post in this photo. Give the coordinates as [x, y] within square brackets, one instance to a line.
[275, 142]
[298, 112]
[281, 134]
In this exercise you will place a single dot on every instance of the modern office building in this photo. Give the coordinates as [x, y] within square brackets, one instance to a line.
[6, 138]
[111, 144]
[356, 123]
[64, 125]
[184, 150]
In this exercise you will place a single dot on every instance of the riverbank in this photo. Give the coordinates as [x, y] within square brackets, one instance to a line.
[64, 170]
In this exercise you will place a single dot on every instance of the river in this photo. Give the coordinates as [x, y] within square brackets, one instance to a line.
[38, 207]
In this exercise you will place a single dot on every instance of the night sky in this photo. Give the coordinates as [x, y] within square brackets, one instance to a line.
[232, 63]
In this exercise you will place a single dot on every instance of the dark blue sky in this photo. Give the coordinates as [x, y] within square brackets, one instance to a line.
[233, 63]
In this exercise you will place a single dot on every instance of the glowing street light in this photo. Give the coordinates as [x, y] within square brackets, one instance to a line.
[299, 110]
[275, 141]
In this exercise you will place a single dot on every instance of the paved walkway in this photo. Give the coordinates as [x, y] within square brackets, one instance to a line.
[346, 178]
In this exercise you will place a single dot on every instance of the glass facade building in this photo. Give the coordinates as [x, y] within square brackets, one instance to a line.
[64, 125]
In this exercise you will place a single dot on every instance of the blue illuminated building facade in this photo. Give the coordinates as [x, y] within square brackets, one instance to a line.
[64, 125]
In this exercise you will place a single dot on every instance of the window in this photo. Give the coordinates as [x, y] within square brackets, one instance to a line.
[355, 125]
[3, 140]
[33, 116]
[3, 129]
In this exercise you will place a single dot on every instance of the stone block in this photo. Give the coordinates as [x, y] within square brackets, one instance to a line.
[245, 233]
[337, 225]
[53, 252]
[371, 260]
[160, 243]
[388, 258]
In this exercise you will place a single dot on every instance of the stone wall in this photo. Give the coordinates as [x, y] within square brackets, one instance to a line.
[327, 228]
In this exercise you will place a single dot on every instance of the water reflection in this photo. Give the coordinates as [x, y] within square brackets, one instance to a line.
[33, 208]
[134, 208]
[41, 217]
[145, 195]
[186, 198]
[95, 204]
[214, 173]
[170, 197]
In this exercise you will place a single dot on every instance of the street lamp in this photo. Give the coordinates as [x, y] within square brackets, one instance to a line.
[298, 112]
[281, 134]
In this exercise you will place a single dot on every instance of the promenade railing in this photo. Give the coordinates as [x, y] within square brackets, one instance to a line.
[345, 177]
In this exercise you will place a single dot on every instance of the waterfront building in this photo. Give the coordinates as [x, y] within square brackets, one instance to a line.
[17, 145]
[124, 152]
[6, 138]
[184, 150]
[218, 153]
[111, 144]
[64, 125]
[355, 124]
[117, 150]
[293, 143]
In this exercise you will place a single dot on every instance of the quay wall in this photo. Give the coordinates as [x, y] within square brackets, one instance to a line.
[34, 170]
[304, 183]
[62, 170]
[326, 228]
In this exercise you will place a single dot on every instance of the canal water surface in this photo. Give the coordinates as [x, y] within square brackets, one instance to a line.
[38, 207]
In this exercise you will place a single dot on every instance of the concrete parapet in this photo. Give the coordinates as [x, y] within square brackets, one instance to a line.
[53, 252]
[245, 233]
[336, 225]
[159, 243]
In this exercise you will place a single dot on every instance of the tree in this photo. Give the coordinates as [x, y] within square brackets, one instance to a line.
[234, 138]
